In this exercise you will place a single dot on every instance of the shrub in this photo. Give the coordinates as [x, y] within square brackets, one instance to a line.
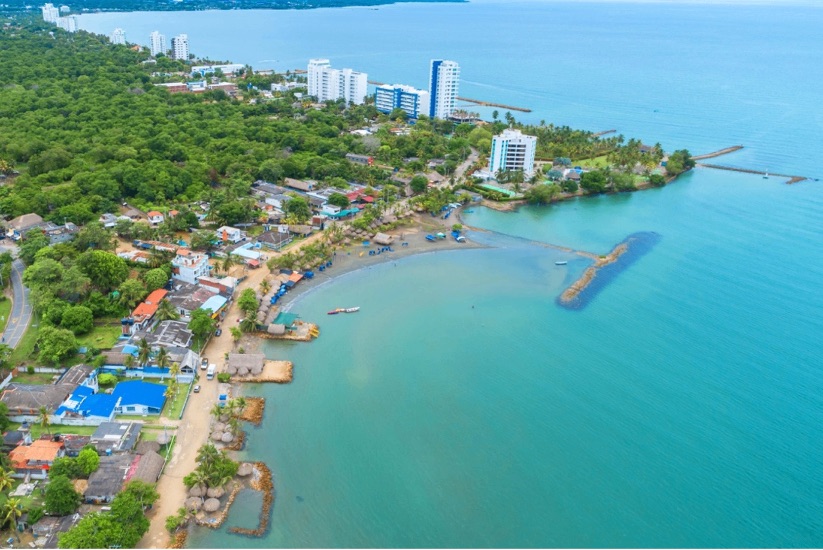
[223, 377]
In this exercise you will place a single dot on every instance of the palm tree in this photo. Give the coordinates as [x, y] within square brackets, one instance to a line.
[166, 311]
[236, 334]
[207, 455]
[174, 370]
[43, 418]
[162, 358]
[265, 286]
[217, 411]
[128, 362]
[6, 481]
[144, 352]
[249, 323]
[198, 477]
[12, 510]
[171, 390]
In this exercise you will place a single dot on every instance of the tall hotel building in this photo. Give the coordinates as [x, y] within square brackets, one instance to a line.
[118, 36]
[180, 47]
[68, 23]
[444, 79]
[414, 102]
[328, 84]
[512, 150]
[50, 13]
[157, 43]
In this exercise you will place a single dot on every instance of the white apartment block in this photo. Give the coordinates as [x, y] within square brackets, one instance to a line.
[118, 36]
[65, 9]
[512, 150]
[180, 47]
[327, 84]
[68, 23]
[414, 102]
[444, 80]
[157, 43]
[189, 266]
[50, 13]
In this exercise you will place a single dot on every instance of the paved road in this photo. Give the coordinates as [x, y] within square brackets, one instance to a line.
[21, 308]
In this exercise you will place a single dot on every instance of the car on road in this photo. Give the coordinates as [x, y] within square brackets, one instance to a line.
[218, 332]
[196, 389]
[204, 363]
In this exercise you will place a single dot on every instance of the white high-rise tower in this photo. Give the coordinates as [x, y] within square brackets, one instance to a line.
[157, 43]
[326, 83]
[118, 36]
[512, 150]
[50, 13]
[443, 83]
[180, 47]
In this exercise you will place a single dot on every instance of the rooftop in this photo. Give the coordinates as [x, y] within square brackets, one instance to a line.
[27, 399]
[148, 468]
[137, 392]
[42, 450]
[246, 360]
[118, 436]
[77, 374]
[109, 477]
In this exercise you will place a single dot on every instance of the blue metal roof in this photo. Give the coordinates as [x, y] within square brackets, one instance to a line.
[214, 303]
[140, 393]
[131, 349]
[101, 404]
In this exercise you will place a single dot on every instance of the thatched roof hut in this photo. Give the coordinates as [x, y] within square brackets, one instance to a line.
[245, 362]
[164, 438]
[196, 491]
[193, 503]
[217, 436]
[245, 469]
[215, 492]
[383, 239]
[227, 437]
[211, 505]
[219, 427]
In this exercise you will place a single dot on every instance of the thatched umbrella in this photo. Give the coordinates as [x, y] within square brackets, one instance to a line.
[257, 370]
[211, 505]
[194, 503]
[243, 371]
[227, 437]
[224, 418]
[219, 427]
[196, 491]
[216, 492]
[164, 438]
[232, 370]
[245, 469]
[217, 436]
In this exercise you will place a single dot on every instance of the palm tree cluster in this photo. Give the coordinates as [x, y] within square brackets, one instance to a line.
[214, 468]
[230, 413]
[13, 508]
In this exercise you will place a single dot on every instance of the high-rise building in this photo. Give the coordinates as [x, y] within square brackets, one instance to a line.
[512, 150]
[64, 9]
[118, 36]
[157, 43]
[327, 84]
[68, 23]
[444, 79]
[180, 47]
[414, 102]
[50, 13]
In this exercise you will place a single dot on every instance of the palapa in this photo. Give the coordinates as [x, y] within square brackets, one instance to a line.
[211, 505]
[219, 427]
[217, 436]
[194, 503]
[196, 491]
[245, 469]
[227, 437]
[215, 492]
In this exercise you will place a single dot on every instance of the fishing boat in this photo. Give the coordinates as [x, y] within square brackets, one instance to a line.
[352, 309]
[562, 262]
[336, 311]
[766, 176]
[430, 237]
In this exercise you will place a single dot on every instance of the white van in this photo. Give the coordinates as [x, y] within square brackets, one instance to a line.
[210, 372]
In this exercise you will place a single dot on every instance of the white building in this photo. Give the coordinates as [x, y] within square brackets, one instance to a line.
[157, 43]
[64, 9]
[118, 36]
[188, 266]
[227, 69]
[50, 13]
[327, 84]
[180, 47]
[512, 150]
[228, 234]
[68, 23]
[414, 102]
[444, 80]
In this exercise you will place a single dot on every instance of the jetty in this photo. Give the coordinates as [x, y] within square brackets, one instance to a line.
[603, 133]
[719, 153]
[588, 276]
[790, 179]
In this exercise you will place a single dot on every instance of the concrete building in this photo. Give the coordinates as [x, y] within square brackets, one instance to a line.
[444, 80]
[118, 36]
[180, 47]
[227, 69]
[413, 101]
[157, 43]
[512, 150]
[327, 84]
[50, 13]
[68, 23]
[188, 266]
[228, 234]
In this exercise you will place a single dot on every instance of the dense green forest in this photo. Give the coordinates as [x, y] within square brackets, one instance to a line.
[190, 5]
[86, 129]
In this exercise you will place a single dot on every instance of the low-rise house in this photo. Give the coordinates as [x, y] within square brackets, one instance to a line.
[49, 528]
[221, 285]
[138, 397]
[81, 375]
[108, 220]
[228, 234]
[275, 240]
[116, 437]
[21, 225]
[170, 334]
[216, 304]
[186, 297]
[24, 400]
[35, 460]
[144, 312]
[155, 217]
[300, 185]
[108, 479]
[188, 266]
[278, 201]
[365, 160]
[12, 439]
[330, 209]
[263, 188]
[147, 469]
[73, 443]
[60, 233]
[86, 408]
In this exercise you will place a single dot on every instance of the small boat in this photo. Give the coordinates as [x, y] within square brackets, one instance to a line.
[563, 262]
[766, 176]
[336, 311]
[352, 309]
[430, 237]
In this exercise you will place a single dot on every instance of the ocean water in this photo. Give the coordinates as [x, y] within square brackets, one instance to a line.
[462, 407]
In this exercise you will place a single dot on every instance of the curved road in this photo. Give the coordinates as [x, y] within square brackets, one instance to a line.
[21, 308]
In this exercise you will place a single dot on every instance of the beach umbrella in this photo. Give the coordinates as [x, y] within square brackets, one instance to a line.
[164, 438]
[227, 437]
[211, 505]
[216, 492]
[245, 469]
[194, 503]
[196, 491]
[219, 427]
[243, 371]
[257, 370]
[217, 436]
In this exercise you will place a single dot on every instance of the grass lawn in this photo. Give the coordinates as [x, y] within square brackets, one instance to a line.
[596, 162]
[175, 407]
[102, 336]
[25, 348]
[5, 311]
[36, 378]
[37, 430]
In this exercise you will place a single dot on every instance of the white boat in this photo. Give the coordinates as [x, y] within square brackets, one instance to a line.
[351, 309]
[564, 262]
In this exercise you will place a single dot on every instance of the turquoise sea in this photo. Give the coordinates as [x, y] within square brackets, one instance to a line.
[462, 407]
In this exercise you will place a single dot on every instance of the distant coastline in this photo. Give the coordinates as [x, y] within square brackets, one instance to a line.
[99, 6]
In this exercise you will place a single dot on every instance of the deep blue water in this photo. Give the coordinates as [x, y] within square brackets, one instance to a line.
[683, 406]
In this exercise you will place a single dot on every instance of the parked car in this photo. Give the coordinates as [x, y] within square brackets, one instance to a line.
[196, 389]
[204, 363]
[218, 332]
